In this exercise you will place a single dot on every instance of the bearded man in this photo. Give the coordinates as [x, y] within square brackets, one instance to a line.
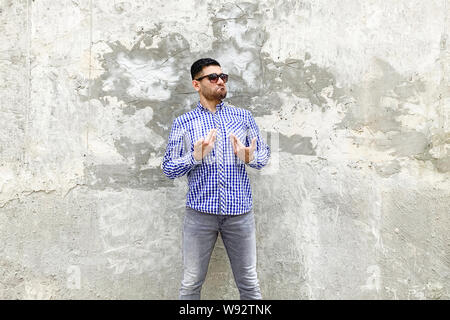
[213, 145]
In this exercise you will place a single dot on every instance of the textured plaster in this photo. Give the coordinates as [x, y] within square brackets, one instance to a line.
[353, 98]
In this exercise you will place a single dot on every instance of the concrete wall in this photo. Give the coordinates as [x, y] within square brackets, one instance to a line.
[352, 96]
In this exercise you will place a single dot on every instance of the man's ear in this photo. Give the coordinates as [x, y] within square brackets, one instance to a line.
[196, 85]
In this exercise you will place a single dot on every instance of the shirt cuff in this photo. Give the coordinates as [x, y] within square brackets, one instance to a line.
[195, 162]
[255, 154]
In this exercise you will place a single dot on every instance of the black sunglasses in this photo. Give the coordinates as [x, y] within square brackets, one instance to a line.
[214, 77]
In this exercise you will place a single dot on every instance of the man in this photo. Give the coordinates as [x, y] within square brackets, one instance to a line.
[213, 144]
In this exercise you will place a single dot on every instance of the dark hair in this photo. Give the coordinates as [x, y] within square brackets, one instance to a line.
[198, 65]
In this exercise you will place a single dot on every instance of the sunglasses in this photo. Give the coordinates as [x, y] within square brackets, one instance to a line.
[214, 77]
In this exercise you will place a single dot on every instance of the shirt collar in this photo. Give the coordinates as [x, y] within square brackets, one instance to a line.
[218, 107]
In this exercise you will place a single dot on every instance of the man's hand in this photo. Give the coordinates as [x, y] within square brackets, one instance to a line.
[204, 146]
[244, 153]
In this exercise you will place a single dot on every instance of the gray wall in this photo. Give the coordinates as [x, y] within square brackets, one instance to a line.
[352, 96]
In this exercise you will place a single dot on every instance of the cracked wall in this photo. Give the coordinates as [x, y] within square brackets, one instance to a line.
[353, 98]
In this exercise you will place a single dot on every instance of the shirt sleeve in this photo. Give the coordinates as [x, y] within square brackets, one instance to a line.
[177, 160]
[262, 152]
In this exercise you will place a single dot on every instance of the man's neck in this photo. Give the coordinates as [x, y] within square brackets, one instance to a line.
[210, 104]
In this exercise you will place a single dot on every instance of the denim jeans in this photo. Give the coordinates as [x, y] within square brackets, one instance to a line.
[200, 231]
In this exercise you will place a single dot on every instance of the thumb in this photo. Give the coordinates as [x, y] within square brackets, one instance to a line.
[253, 145]
[199, 142]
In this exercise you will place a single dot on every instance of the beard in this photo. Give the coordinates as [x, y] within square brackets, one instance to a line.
[215, 94]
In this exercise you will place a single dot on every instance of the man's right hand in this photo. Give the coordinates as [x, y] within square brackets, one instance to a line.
[204, 146]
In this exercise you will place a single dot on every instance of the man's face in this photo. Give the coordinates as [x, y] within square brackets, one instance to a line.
[211, 91]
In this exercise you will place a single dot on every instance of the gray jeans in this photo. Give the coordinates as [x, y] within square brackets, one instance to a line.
[200, 232]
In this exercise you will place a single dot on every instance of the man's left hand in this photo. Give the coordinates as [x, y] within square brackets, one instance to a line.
[244, 153]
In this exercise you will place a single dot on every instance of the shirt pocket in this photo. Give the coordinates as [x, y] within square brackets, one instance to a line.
[196, 131]
[237, 127]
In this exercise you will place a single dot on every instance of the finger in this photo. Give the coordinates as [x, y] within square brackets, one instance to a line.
[239, 143]
[253, 145]
[232, 142]
[199, 142]
[213, 138]
[198, 146]
[235, 139]
[208, 137]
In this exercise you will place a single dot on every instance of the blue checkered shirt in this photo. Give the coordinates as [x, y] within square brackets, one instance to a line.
[218, 183]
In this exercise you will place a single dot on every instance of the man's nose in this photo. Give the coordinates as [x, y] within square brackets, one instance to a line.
[220, 81]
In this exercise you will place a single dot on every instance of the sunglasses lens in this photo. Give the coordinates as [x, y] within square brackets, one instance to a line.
[213, 77]
[224, 77]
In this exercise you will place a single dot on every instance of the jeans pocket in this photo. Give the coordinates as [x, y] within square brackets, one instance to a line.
[189, 216]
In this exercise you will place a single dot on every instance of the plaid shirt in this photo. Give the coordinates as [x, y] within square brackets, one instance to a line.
[218, 183]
